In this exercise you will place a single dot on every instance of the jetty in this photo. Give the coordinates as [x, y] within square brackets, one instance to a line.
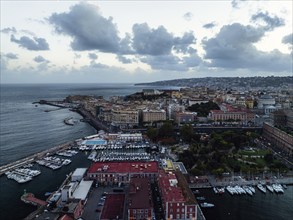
[34, 157]
[30, 198]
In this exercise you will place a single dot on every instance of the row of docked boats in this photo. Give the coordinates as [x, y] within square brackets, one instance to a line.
[53, 162]
[121, 156]
[22, 175]
[219, 190]
[238, 190]
[67, 153]
[250, 190]
[110, 147]
[271, 188]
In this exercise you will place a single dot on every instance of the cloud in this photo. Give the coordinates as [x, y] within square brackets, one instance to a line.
[237, 3]
[92, 56]
[31, 44]
[209, 25]
[123, 59]
[288, 39]
[11, 56]
[9, 30]
[233, 48]
[148, 41]
[188, 16]
[193, 59]
[270, 22]
[156, 42]
[88, 28]
[165, 62]
[77, 56]
[40, 59]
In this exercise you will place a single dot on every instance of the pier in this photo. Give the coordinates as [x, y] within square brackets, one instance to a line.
[31, 199]
[34, 157]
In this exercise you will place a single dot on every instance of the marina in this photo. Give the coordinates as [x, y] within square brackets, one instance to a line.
[53, 162]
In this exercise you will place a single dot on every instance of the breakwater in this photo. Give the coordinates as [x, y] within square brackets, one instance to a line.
[98, 125]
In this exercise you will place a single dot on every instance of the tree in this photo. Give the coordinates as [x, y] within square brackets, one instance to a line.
[152, 133]
[269, 158]
[167, 130]
[186, 132]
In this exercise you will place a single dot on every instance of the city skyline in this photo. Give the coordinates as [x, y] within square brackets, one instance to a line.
[143, 41]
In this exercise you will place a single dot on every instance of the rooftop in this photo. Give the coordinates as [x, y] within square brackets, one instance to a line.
[124, 167]
[82, 190]
[113, 207]
[140, 194]
[170, 192]
[79, 172]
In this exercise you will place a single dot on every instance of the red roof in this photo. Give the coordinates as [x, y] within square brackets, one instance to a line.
[124, 167]
[140, 196]
[169, 193]
[113, 207]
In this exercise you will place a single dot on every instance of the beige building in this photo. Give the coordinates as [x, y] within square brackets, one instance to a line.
[153, 115]
[278, 138]
[124, 117]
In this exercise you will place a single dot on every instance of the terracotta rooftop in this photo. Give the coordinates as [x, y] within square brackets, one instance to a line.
[113, 207]
[140, 193]
[170, 193]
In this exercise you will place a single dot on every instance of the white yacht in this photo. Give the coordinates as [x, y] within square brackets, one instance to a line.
[261, 188]
[270, 188]
[206, 205]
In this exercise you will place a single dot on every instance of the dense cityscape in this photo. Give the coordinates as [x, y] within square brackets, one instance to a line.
[156, 149]
[146, 110]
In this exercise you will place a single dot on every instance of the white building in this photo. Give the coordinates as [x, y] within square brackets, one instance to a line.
[265, 100]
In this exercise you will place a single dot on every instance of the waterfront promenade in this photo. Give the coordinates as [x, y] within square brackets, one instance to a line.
[34, 157]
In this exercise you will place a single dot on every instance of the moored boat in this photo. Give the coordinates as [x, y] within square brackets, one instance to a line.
[261, 188]
[206, 205]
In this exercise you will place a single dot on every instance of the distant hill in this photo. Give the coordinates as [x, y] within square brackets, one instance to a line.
[228, 82]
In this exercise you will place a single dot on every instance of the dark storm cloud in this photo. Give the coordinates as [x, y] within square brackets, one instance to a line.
[40, 59]
[209, 25]
[11, 56]
[34, 43]
[271, 22]
[233, 48]
[92, 56]
[188, 16]
[88, 28]
[150, 41]
[124, 59]
[288, 39]
[9, 30]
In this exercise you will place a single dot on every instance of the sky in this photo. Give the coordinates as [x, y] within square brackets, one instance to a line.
[143, 41]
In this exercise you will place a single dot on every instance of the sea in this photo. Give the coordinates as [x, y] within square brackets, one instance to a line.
[27, 128]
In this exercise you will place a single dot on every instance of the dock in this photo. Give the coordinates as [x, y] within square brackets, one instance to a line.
[31, 199]
[34, 157]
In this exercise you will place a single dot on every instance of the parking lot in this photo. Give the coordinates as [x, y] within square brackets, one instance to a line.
[94, 205]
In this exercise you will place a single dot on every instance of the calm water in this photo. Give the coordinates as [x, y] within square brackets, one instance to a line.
[269, 206]
[26, 129]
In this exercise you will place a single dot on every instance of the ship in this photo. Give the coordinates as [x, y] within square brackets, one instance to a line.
[206, 205]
